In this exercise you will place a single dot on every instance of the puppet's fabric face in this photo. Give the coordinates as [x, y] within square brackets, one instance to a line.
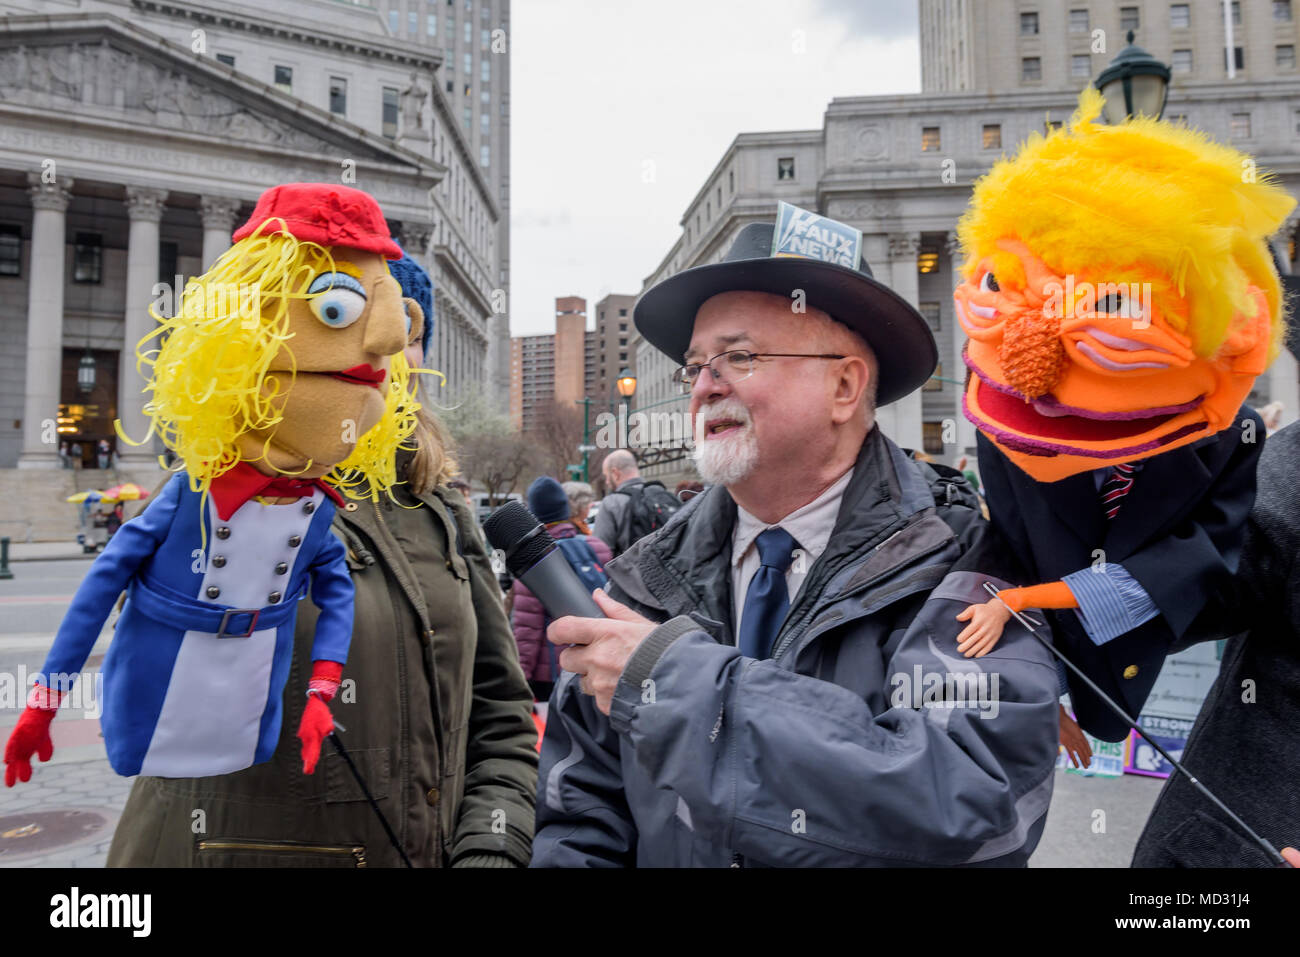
[1073, 373]
[334, 369]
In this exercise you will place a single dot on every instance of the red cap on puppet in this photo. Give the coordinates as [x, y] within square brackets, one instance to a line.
[326, 214]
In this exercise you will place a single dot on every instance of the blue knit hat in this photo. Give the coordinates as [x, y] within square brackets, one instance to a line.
[546, 500]
[417, 285]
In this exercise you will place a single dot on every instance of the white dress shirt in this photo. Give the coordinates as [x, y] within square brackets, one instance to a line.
[811, 527]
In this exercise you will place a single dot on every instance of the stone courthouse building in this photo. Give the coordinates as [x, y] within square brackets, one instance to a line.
[135, 135]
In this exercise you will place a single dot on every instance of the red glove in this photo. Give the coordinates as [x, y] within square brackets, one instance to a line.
[31, 735]
[317, 722]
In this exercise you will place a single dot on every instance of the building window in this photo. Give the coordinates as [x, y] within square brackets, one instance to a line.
[338, 96]
[11, 250]
[1080, 64]
[390, 113]
[1051, 125]
[622, 342]
[226, 58]
[1180, 16]
[1078, 21]
[485, 98]
[1182, 61]
[731, 181]
[485, 39]
[1236, 12]
[467, 119]
[284, 79]
[168, 254]
[469, 32]
[929, 139]
[785, 168]
[1282, 11]
[932, 436]
[1031, 69]
[992, 136]
[1129, 19]
[484, 156]
[1286, 56]
[622, 312]
[622, 357]
[469, 65]
[485, 123]
[431, 25]
[930, 313]
[1238, 58]
[451, 86]
[485, 70]
[1240, 126]
[392, 21]
[1029, 24]
[413, 23]
[88, 258]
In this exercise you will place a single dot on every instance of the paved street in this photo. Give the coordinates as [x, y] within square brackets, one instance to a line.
[79, 781]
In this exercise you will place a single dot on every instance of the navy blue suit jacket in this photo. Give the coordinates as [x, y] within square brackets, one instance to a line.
[1179, 533]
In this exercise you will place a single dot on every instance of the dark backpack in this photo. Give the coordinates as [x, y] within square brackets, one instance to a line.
[649, 508]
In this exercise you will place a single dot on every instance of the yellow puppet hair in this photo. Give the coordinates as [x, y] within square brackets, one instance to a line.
[210, 372]
[1145, 201]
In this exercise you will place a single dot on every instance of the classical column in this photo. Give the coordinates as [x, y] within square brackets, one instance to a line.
[145, 208]
[901, 420]
[218, 213]
[955, 367]
[45, 321]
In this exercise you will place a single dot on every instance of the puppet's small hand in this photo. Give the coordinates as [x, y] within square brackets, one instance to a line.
[31, 735]
[1075, 741]
[316, 724]
[986, 623]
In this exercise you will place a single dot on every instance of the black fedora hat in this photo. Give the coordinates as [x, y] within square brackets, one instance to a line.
[898, 335]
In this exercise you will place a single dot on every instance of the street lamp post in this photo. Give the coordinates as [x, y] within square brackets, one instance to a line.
[1134, 84]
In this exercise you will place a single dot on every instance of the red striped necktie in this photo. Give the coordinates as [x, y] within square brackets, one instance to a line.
[1117, 485]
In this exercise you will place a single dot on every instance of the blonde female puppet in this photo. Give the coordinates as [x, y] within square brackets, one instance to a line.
[280, 385]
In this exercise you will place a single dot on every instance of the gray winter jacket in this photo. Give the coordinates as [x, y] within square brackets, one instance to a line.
[865, 740]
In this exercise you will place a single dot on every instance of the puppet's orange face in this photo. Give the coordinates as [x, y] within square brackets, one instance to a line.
[345, 332]
[1072, 373]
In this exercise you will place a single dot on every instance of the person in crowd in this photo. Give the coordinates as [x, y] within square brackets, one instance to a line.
[580, 496]
[687, 489]
[435, 705]
[1242, 746]
[460, 485]
[756, 694]
[585, 552]
[620, 474]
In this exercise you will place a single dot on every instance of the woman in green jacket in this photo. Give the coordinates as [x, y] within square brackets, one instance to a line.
[435, 706]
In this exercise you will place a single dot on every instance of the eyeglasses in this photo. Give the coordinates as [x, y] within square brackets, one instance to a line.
[735, 366]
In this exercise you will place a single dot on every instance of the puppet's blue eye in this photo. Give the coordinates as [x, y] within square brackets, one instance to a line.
[337, 299]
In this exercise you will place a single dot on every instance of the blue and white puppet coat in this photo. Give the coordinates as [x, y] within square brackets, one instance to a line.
[178, 700]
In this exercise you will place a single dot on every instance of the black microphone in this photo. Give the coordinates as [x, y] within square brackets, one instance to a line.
[533, 557]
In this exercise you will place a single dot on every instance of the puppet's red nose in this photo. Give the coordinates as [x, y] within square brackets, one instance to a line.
[1032, 355]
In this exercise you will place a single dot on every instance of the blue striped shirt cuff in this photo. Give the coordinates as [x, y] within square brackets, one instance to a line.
[1111, 602]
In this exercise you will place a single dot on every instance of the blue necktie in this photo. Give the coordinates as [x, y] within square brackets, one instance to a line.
[768, 598]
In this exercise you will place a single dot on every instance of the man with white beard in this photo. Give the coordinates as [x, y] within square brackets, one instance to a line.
[753, 696]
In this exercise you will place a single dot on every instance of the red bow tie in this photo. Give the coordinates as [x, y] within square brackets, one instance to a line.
[232, 489]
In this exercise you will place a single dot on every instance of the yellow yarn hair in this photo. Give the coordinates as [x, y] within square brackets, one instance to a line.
[1145, 201]
[212, 362]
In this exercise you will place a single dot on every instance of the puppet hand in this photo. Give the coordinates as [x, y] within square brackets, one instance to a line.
[317, 723]
[986, 623]
[31, 735]
[1075, 741]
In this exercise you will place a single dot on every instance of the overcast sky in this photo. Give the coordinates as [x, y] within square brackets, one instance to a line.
[599, 87]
